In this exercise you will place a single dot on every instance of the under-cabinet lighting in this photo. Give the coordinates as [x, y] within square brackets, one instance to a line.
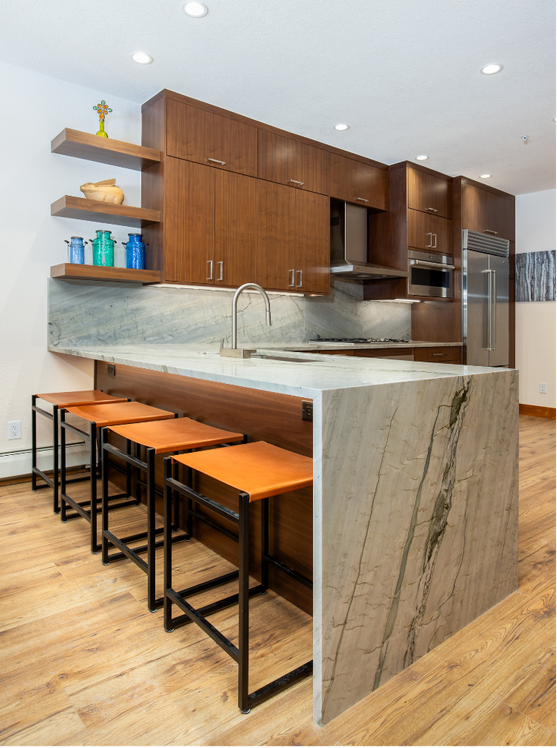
[485, 176]
[423, 157]
[399, 301]
[196, 10]
[142, 58]
[491, 69]
[342, 127]
[221, 288]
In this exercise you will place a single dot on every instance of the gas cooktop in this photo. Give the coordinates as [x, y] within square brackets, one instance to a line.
[358, 340]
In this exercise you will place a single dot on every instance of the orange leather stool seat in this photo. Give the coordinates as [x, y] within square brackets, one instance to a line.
[122, 412]
[59, 400]
[258, 469]
[179, 434]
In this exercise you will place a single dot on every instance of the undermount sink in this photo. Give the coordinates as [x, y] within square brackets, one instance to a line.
[284, 358]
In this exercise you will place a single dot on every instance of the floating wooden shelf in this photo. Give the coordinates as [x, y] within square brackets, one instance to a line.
[103, 150]
[101, 212]
[68, 271]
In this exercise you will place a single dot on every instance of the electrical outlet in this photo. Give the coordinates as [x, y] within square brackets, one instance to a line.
[543, 388]
[111, 370]
[14, 429]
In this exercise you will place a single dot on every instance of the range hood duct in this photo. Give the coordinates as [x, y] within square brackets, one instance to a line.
[349, 245]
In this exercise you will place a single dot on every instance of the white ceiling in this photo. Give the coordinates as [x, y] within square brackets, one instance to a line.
[404, 74]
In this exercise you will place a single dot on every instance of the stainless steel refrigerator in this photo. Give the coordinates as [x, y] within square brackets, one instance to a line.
[485, 299]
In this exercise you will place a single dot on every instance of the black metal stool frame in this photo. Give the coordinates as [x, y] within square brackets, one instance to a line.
[53, 482]
[108, 538]
[239, 654]
[90, 508]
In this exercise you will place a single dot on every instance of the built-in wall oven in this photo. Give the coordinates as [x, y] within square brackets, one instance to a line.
[430, 274]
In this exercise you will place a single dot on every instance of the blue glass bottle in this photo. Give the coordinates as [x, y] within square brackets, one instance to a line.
[135, 251]
[76, 250]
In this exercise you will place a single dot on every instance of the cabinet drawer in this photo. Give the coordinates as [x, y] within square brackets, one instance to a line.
[450, 355]
[429, 193]
[198, 135]
[358, 183]
[429, 232]
[292, 163]
[487, 213]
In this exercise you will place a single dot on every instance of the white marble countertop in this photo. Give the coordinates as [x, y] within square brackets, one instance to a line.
[303, 375]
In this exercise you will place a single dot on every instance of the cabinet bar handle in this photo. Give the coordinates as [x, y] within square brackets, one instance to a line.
[291, 285]
[434, 210]
[435, 245]
[438, 354]
[210, 262]
[362, 199]
[430, 245]
[489, 231]
[296, 182]
[221, 265]
[300, 283]
[216, 161]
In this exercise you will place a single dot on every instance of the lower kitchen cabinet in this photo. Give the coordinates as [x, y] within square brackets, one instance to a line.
[436, 355]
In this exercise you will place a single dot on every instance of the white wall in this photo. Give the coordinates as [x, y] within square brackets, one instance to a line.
[36, 108]
[535, 320]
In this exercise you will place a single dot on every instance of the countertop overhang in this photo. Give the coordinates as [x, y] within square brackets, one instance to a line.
[305, 374]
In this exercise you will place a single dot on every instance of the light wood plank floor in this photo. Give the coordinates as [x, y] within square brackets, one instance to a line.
[84, 663]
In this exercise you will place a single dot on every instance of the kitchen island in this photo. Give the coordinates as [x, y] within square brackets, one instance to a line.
[415, 496]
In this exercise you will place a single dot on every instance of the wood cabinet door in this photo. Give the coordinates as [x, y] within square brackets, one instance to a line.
[487, 212]
[429, 193]
[276, 224]
[199, 135]
[312, 250]
[429, 232]
[235, 229]
[290, 162]
[356, 182]
[189, 210]
[449, 355]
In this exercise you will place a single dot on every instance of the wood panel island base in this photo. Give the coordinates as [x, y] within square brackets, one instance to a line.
[415, 499]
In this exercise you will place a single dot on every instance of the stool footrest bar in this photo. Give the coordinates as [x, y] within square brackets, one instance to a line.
[214, 525]
[262, 694]
[44, 477]
[287, 570]
[203, 500]
[143, 548]
[132, 555]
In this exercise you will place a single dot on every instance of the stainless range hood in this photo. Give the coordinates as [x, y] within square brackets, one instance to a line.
[349, 245]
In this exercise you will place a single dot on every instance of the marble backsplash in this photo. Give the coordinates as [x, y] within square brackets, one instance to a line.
[535, 276]
[88, 315]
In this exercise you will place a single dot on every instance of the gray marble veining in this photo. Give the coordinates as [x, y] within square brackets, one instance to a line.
[535, 276]
[108, 314]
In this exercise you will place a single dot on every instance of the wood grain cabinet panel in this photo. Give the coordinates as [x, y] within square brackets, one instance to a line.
[429, 232]
[449, 355]
[189, 215]
[359, 183]
[235, 229]
[199, 135]
[429, 193]
[275, 213]
[311, 256]
[487, 212]
[292, 163]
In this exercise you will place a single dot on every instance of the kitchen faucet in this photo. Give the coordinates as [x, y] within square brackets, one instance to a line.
[234, 350]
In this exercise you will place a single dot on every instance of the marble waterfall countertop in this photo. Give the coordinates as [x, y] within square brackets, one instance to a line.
[304, 374]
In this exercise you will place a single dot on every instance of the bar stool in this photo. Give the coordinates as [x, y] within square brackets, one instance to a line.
[159, 437]
[59, 401]
[258, 471]
[98, 417]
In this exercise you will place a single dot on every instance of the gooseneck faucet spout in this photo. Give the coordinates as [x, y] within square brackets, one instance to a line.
[235, 309]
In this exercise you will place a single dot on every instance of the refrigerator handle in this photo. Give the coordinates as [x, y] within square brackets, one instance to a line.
[488, 327]
[494, 309]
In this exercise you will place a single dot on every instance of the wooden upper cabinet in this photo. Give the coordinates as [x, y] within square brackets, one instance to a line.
[311, 252]
[429, 193]
[276, 211]
[487, 212]
[359, 183]
[235, 229]
[189, 208]
[199, 135]
[430, 232]
[290, 162]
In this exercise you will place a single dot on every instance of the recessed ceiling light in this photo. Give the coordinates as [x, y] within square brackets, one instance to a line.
[485, 176]
[422, 158]
[196, 10]
[342, 127]
[491, 69]
[142, 58]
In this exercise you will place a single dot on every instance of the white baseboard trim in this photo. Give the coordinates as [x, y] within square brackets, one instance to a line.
[14, 464]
